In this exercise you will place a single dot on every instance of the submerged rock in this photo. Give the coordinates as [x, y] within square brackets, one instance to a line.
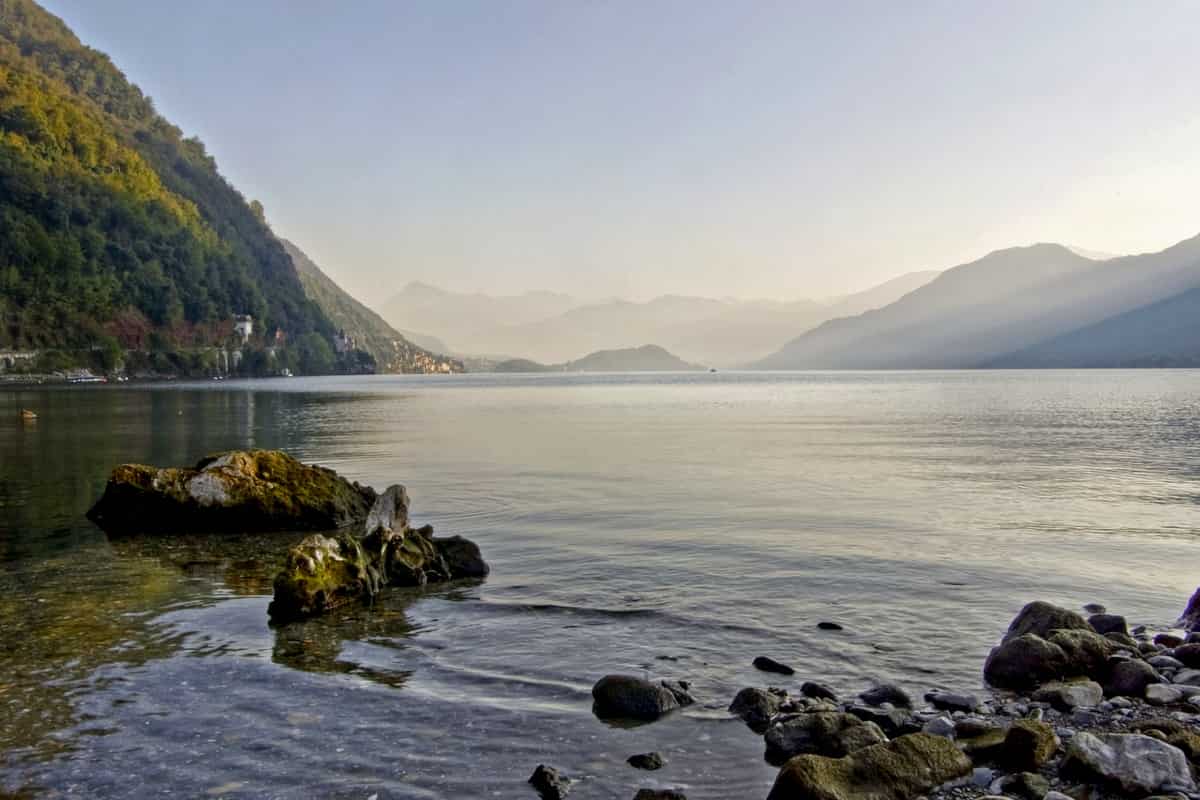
[239, 491]
[898, 770]
[324, 572]
[630, 697]
[1132, 762]
[659, 794]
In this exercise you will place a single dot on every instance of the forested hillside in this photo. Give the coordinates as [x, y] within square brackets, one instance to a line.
[112, 224]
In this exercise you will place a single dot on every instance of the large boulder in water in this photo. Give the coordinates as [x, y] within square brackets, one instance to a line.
[238, 491]
[324, 572]
[633, 698]
[901, 769]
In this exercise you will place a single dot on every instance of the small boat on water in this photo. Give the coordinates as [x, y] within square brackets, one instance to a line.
[26, 414]
[85, 376]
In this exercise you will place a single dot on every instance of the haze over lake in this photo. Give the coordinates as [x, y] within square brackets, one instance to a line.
[714, 518]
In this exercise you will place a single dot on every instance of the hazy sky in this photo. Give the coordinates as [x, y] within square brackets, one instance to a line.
[635, 148]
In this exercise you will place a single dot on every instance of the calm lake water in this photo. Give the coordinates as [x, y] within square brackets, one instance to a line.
[672, 525]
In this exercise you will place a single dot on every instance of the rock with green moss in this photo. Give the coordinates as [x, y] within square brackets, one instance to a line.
[324, 572]
[828, 733]
[1028, 744]
[240, 491]
[898, 770]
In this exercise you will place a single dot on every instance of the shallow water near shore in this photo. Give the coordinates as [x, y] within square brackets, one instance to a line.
[669, 525]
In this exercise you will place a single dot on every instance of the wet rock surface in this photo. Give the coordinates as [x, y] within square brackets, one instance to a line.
[896, 770]
[1101, 717]
[633, 698]
[549, 783]
[241, 491]
[323, 572]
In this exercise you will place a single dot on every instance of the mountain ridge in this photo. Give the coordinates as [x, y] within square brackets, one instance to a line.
[977, 312]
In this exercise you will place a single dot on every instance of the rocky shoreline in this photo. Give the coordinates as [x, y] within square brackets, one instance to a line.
[1077, 708]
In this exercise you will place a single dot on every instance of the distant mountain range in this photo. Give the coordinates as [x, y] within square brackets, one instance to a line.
[548, 327]
[647, 358]
[1043, 305]
[391, 350]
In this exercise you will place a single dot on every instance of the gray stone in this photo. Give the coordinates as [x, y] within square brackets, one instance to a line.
[887, 693]
[830, 734]
[952, 701]
[940, 726]
[1160, 694]
[982, 776]
[1069, 695]
[1053, 795]
[1188, 676]
[1137, 764]
[390, 511]
[630, 697]
[1164, 662]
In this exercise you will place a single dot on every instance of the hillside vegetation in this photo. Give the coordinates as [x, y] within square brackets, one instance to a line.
[112, 224]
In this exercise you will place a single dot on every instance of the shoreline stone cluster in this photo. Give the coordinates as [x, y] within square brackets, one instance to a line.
[1078, 708]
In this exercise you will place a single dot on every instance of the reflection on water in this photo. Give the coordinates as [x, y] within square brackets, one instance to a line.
[671, 525]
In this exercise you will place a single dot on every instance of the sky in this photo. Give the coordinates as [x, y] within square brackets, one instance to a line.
[760, 149]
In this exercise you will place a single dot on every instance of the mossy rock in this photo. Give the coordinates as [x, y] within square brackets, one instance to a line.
[325, 572]
[1040, 618]
[322, 573]
[1028, 745]
[898, 770]
[241, 491]
[986, 747]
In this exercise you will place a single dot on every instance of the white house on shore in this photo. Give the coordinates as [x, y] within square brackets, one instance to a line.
[243, 326]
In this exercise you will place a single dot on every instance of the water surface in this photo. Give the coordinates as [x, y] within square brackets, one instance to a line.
[671, 525]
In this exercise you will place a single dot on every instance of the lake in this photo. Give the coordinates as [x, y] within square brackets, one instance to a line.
[669, 525]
